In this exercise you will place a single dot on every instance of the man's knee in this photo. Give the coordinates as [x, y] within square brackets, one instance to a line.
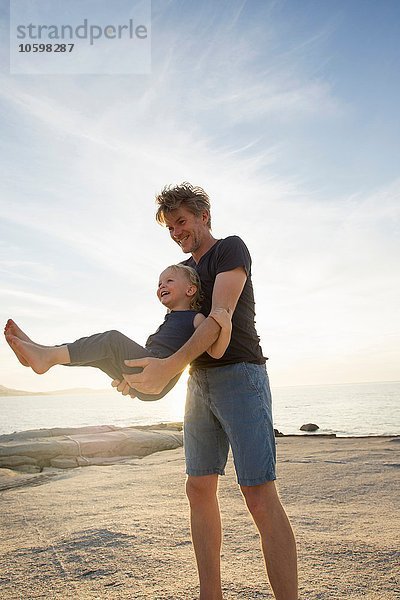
[201, 489]
[261, 498]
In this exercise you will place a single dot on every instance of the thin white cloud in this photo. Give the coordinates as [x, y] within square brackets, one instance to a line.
[25, 269]
[47, 301]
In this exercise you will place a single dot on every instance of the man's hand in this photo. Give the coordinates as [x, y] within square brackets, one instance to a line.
[123, 387]
[156, 374]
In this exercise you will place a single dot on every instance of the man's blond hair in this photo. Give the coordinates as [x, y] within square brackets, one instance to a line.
[191, 197]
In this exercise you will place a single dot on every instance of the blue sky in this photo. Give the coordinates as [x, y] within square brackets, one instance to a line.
[286, 112]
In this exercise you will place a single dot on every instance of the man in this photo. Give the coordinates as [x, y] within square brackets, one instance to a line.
[228, 400]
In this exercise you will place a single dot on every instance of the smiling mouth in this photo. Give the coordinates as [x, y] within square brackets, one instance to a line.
[181, 241]
[165, 293]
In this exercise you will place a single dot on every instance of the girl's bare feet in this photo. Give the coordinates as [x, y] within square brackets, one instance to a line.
[39, 358]
[33, 356]
[12, 328]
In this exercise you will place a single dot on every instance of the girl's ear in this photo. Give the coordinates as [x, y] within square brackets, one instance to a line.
[192, 289]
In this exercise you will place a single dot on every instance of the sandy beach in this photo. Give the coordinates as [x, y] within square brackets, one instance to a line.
[121, 531]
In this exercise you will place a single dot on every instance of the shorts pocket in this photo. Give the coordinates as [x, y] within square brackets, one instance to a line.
[256, 377]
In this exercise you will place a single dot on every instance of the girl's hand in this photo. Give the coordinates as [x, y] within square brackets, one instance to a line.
[223, 316]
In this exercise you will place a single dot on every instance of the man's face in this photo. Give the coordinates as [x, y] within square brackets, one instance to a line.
[187, 229]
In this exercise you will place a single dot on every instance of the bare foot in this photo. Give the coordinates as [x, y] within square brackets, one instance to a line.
[36, 357]
[17, 354]
[13, 329]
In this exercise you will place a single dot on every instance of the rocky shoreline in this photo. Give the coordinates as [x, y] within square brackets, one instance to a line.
[32, 451]
[66, 448]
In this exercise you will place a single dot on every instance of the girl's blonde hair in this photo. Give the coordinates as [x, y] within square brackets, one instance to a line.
[193, 278]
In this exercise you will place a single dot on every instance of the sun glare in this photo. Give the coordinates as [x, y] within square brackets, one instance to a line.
[176, 398]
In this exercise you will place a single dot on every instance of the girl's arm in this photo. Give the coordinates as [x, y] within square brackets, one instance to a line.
[223, 317]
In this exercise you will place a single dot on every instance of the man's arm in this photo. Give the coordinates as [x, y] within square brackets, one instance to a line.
[158, 372]
[224, 320]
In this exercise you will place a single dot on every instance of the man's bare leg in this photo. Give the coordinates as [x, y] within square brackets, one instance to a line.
[39, 358]
[12, 328]
[277, 538]
[205, 524]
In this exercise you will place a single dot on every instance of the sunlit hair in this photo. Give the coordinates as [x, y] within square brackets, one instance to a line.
[193, 278]
[191, 197]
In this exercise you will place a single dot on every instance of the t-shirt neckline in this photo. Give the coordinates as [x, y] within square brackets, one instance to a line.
[209, 250]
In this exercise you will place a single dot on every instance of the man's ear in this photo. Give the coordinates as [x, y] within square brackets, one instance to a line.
[205, 215]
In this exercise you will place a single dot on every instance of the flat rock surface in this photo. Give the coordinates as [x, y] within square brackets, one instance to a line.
[66, 448]
[122, 531]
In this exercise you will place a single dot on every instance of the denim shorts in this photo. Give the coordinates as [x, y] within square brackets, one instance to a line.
[230, 406]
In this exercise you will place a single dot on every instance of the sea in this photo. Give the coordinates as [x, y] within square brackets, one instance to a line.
[356, 409]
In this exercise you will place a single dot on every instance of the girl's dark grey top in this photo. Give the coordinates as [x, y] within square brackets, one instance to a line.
[172, 334]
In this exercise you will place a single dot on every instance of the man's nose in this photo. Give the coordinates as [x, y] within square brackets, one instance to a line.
[176, 232]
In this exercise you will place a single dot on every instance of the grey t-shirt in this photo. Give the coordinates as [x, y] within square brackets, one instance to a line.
[228, 254]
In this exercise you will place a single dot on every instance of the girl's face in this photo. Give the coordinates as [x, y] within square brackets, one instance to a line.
[174, 290]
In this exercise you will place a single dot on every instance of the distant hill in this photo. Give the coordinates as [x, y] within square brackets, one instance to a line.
[4, 391]
[10, 392]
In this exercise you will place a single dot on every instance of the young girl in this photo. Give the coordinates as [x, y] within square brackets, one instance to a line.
[178, 289]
